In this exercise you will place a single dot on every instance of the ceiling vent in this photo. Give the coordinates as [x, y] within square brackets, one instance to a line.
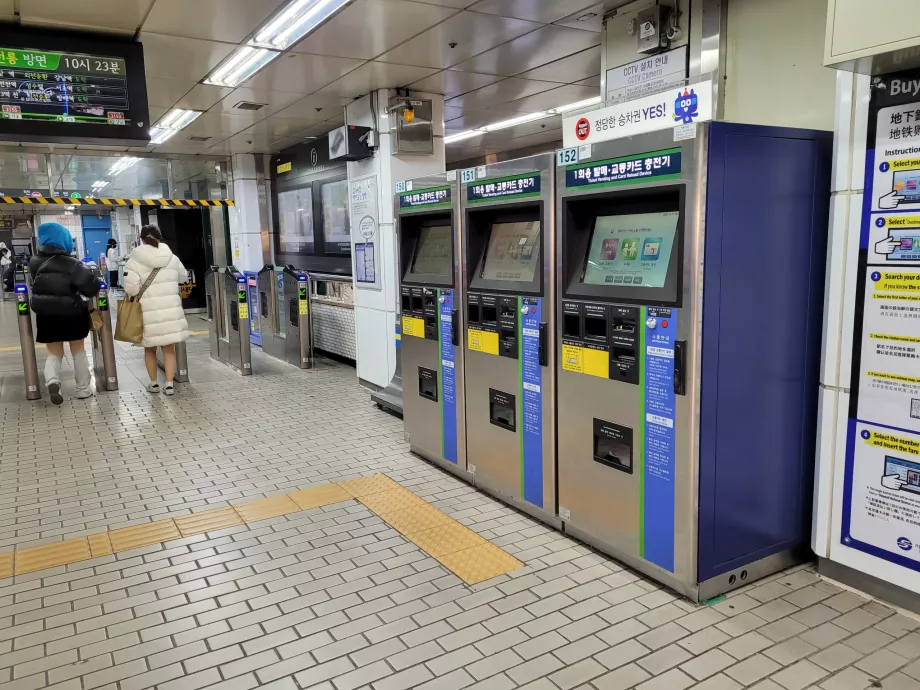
[198, 138]
[246, 105]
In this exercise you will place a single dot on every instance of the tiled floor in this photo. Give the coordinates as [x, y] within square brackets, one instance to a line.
[332, 598]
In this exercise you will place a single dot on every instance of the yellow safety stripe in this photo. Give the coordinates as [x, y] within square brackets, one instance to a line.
[115, 202]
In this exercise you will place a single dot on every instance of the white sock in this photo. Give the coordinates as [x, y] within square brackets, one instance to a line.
[81, 372]
[53, 369]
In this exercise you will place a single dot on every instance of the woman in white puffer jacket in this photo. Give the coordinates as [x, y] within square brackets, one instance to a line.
[161, 303]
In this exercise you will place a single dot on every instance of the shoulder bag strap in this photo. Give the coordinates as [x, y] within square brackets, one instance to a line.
[150, 278]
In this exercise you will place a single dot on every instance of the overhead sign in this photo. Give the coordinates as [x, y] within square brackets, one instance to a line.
[435, 196]
[666, 110]
[658, 165]
[881, 492]
[525, 185]
[647, 76]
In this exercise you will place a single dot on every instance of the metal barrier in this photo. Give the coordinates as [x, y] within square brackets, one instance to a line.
[228, 310]
[27, 343]
[104, 344]
[181, 362]
[285, 316]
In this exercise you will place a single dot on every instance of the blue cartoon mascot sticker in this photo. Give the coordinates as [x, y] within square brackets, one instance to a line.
[686, 106]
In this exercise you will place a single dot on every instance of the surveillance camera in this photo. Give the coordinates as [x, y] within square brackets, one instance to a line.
[452, 44]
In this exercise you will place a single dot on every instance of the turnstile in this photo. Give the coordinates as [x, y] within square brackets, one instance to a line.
[285, 318]
[428, 232]
[690, 317]
[508, 256]
[228, 310]
[103, 342]
[27, 343]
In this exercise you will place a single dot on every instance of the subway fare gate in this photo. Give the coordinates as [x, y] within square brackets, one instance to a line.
[284, 316]
[508, 256]
[428, 239]
[689, 307]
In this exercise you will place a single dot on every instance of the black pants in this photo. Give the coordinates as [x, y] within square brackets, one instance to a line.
[113, 278]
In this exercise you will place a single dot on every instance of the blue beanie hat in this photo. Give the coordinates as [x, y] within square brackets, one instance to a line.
[56, 235]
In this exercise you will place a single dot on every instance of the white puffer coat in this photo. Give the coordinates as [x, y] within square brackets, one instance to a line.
[164, 318]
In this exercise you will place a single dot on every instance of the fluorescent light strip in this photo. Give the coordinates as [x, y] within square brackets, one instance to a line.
[522, 119]
[242, 64]
[299, 19]
[122, 164]
[158, 135]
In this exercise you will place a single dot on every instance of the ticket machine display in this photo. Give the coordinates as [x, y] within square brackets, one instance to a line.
[689, 311]
[428, 231]
[508, 250]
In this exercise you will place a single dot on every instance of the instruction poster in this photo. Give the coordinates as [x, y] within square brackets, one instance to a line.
[881, 508]
[362, 199]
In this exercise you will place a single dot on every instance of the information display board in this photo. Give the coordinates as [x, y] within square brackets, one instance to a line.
[71, 89]
[631, 249]
[881, 493]
[513, 252]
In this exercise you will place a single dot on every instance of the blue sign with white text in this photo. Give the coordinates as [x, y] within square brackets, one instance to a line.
[448, 378]
[658, 420]
[531, 401]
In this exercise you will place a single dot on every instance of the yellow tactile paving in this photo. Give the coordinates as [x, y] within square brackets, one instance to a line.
[265, 508]
[480, 563]
[446, 539]
[390, 501]
[372, 484]
[100, 545]
[199, 523]
[317, 496]
[416, 519]
[459, 549]
[129, 538]
[52, 555]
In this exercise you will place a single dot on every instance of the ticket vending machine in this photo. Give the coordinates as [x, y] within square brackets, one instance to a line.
[691, 283]
[508, 254]
[428, 238]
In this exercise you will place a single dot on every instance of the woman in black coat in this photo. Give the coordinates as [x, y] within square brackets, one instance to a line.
[59, 283]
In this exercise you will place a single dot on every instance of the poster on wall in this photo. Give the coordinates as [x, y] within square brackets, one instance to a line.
[881, 503]
[362, 200]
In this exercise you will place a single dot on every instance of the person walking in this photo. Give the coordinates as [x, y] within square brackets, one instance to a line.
[161, 303]
[59, 284]
[111, 262]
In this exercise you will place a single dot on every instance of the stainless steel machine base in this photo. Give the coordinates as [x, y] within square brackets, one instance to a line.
[515, 502]
[442, 464]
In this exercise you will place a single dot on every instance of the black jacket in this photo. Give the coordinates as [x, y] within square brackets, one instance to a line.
[58, 280]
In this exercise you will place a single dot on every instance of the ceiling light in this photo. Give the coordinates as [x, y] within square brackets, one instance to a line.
[460, 136]
[242, 63]
[576, 106]
[514, 121]
[158, 135]
[122, 164]
[297, 20]
[100, 184]
[177, 119]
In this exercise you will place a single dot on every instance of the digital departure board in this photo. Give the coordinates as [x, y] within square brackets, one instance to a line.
[73, 89]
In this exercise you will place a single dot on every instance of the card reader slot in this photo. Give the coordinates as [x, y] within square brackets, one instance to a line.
[472, 313]
[595, 328]
[263, 304]
[571, 326]
[406, 303]
[624, 325]
[489, 315]
[417, 304]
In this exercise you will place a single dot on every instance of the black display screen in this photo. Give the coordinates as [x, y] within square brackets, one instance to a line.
[66, 88]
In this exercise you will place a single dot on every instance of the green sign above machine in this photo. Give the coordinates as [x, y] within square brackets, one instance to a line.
[434, 196]
[656, 165]
[520, 186]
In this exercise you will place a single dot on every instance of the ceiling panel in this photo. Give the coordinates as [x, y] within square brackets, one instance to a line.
[218, 20]
[498, 93]
[273, 101]
[472, 33]
[249, 143]
[456, 4]
[165, 92]
[275, 129]
[453, 83]
[168, 56]
[120, 16]
[531, 50]
[368, 28]
[375, 75]
[544, 11]
[314, 108]
[571, 69]
[202, 97]
[586, 19]
[550, 135]
[302, 74]
[221, 125]
[6, 10]
[591, 81]
[546, 100]
[324, 127]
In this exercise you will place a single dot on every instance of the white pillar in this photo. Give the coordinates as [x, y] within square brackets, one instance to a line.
[245, 222]
[375, 304]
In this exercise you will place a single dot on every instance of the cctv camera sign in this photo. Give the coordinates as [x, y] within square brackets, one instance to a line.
[680, 106]
[881, 492]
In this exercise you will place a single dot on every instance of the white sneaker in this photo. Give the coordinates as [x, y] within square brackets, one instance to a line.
[153, 387]
[169, 389]
[84, 393]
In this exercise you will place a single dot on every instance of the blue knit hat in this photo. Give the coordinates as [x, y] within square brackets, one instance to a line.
[56, 235]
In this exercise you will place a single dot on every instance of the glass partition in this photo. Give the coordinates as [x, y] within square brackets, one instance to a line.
[204, 179]
[23, 174]
[122, 177]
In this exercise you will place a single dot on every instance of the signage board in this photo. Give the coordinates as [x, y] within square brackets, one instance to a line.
[647, 76]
